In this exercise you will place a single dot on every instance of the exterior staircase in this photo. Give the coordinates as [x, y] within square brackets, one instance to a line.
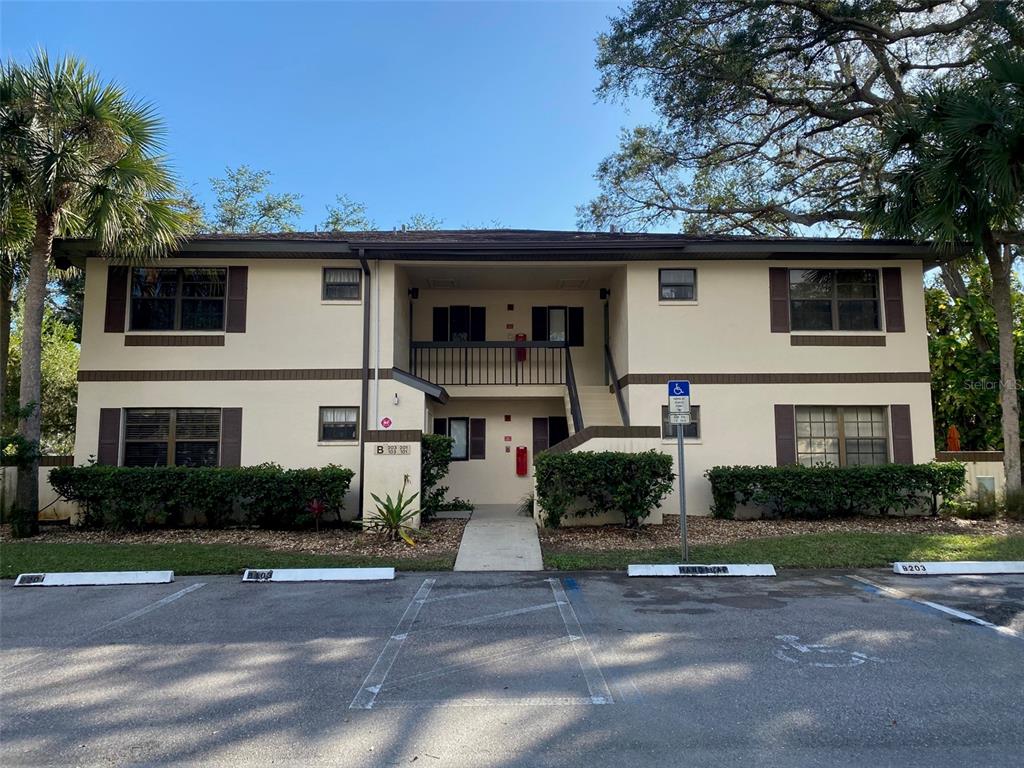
[599, 408]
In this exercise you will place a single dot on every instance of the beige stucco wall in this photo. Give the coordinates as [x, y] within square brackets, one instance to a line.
[287, 323]
[993, 469]
[493, 480]
[727, 329]
[503, 324]
[53, 506]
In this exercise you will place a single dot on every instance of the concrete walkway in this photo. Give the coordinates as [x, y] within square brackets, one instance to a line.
[498, 539]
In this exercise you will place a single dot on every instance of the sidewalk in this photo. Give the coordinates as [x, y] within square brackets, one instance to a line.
[498, 539]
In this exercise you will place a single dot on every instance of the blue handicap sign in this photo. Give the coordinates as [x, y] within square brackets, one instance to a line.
[679, 388]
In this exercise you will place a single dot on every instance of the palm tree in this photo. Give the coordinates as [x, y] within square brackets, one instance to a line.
[82, 156]
[957, 178]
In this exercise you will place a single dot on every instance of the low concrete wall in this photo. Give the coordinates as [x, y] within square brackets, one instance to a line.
[51, 506]
[980, 464]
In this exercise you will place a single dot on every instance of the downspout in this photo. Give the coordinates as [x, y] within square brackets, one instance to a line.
[376, 357]
[365, 383]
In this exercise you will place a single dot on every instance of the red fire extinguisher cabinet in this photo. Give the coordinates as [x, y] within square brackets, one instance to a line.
[522, 468]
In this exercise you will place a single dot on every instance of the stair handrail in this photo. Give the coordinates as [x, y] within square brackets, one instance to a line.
[623, 410]
[574, 395]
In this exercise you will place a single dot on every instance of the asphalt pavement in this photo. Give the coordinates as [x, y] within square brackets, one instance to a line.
[821, 668]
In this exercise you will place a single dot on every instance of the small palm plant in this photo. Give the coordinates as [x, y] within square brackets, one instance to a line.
[393, 516]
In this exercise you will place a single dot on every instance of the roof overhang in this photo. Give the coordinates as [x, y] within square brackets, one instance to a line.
[435, 392]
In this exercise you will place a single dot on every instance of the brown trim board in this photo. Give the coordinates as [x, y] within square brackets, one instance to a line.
[244, 374]
[174, 341]
[392, 436]
[589, 433]
[993, 456]
[880, 377]
[836, 341]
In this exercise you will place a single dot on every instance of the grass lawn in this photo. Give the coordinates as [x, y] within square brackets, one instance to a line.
[186, 558]
[825, 550]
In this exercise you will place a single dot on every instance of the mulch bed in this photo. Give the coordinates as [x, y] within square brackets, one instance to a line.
[438, 537]
[709, 530]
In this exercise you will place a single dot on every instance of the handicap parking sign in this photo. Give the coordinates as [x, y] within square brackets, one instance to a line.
[679, 388]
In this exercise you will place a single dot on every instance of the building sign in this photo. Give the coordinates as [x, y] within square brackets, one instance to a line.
[394, 449]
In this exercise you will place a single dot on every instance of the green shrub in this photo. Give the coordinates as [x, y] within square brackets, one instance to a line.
[267, 495]
[1013, 503]
[827, 491]
[437, 457]
[632, 484]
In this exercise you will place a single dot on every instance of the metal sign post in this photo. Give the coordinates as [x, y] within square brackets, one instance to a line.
[679, 415]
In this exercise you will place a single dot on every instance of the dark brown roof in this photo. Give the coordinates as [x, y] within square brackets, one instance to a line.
[527, 245]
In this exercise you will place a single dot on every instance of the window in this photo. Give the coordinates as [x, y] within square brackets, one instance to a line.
[834, 300]
[548, 431]
[183, 437]
[460, 323]
[677, 284]
[847, 436]
[691, 431]
[559, 324]
[340, 284]
[188, 299]
[469, 436]
[338, 423]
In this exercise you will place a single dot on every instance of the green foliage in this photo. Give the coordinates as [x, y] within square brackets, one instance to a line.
[243, 203]
[59, 384]
[981, 505]
[133, 498]
[437, 457]
[965, 377]
[826, 491]
[1013, 504]
[393, 516]
[768, 110]
[631, 484]
[346, 215]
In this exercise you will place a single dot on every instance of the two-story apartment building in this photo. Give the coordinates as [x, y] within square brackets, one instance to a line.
[307, 349]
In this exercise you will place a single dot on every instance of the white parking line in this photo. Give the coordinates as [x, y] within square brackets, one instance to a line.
[962, 615]
[598, 686]
[374, 681]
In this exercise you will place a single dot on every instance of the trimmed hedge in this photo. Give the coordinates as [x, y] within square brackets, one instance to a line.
[266, 495]
[827, 491]
[632, 484]
[437, 457]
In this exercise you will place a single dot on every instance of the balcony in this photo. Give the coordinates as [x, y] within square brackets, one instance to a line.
[475, 363]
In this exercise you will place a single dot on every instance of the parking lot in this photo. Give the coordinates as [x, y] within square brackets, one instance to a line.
[535, 669]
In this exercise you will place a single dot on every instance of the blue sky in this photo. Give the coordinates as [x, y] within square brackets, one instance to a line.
[465, 111]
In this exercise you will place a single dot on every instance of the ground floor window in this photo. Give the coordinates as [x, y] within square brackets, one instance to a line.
[691, 431]
[469, 436]
[184, 437]
[843, 436]
[338, 423]
[548, 431]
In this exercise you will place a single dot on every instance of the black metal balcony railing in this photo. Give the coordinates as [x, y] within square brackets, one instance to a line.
[469, 363]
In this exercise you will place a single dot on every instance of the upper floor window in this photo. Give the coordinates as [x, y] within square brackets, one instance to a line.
[691, 431]
[340, 284]
[561, 324]
[677, 284]
[339, 424]
[184, 437]
[834, 300]
[185, 299]
[846, 436]
[460, 323]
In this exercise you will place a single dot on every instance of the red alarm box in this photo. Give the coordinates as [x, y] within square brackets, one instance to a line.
[522, 468]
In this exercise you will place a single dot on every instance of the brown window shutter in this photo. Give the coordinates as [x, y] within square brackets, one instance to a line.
[231, 437]
[785, 435]
[892, 291]
[117, 299]
[778, 290]
[540, 435]
[238, 291]
[902, 442]
[110, 436]
[477, 438]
